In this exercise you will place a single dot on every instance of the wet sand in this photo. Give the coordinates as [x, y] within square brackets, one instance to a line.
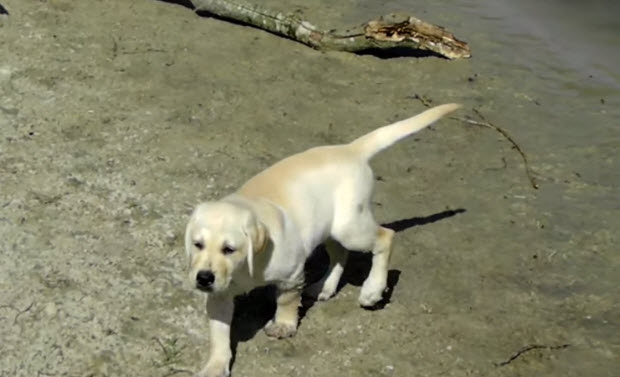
[117, 117]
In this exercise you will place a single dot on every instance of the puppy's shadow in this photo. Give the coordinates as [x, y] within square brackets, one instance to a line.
[252, 312]
[255, 309]
[359, 263]
[404, 224]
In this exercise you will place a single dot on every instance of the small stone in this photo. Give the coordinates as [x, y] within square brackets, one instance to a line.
[51, 309]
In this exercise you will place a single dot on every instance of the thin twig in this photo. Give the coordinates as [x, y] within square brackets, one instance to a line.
[469, 121]
[163, 348]
[514, 143]
[174, 371]
[22, 312]
[427, 102]
[529, 348]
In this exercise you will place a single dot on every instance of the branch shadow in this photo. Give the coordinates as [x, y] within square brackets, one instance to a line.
[186, 3]
[400, 52]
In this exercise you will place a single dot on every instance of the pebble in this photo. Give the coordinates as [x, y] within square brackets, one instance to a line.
[51, 309]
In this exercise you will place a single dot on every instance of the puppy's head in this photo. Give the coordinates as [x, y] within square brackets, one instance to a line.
[221, 239]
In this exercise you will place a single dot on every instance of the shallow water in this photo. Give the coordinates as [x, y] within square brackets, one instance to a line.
[575, 35]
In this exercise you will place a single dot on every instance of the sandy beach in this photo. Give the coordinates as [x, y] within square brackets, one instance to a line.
[118, 117]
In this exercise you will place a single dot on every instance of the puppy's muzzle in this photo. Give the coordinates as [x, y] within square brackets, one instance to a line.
[204, 280]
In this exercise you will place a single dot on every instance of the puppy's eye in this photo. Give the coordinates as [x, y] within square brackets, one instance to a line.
[199, 245]
[228, 250]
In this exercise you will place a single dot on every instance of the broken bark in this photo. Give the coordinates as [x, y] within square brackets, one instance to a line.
[393, 31]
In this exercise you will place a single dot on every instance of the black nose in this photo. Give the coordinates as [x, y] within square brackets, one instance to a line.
[205, 278]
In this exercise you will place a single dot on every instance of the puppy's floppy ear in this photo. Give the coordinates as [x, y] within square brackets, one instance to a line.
[260, 237]
[257, 236]
[188, 229]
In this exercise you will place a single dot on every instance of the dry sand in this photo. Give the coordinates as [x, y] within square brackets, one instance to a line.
[117, 117]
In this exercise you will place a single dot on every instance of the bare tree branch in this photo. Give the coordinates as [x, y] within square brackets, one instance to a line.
[393, 31]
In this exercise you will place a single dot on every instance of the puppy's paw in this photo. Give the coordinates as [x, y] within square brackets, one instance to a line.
[329, 290]
[215, 368]
[321, 290]
[371, 294]
[280, 330]
[326, 294]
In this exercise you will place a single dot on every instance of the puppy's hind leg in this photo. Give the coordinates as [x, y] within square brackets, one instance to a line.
[325, 288]
[365, 234]
[376, 282]
[284, 324]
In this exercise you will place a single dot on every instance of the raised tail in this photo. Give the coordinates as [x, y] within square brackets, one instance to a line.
[381, 138]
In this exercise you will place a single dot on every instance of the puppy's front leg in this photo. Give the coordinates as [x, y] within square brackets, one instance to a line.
[284, 324]
[220, 310]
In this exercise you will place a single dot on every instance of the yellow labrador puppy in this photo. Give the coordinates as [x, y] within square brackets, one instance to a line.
[263, 233]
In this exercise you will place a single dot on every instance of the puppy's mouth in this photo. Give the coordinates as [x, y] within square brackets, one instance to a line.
[204, 288]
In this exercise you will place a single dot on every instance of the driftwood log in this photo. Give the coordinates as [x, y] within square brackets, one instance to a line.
[390, 32]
